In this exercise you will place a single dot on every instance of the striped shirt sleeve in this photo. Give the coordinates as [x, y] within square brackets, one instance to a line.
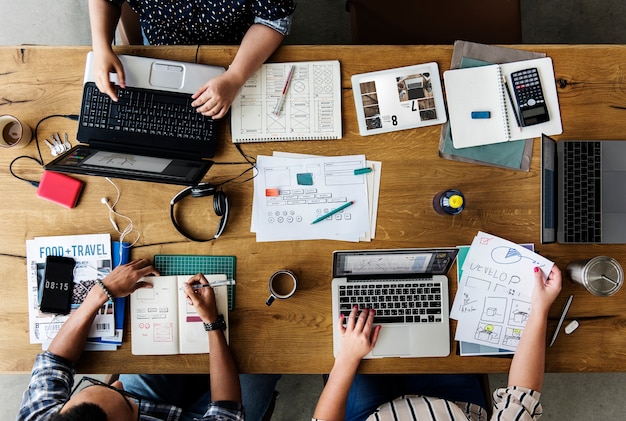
[516, 403]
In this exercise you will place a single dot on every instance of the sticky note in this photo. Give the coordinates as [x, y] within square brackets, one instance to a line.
[305, 179]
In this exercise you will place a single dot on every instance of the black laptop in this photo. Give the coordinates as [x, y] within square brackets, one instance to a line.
[151, 133]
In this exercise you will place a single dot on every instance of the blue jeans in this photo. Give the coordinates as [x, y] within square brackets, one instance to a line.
[369, 391]
[192, 393]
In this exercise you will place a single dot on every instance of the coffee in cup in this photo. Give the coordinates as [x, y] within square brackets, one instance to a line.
[282, 285]
[15, 134]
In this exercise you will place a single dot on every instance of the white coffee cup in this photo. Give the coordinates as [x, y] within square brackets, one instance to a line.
[15, 134]
[282, 285]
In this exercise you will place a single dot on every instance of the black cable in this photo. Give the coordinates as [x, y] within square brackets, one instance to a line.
[40, 160]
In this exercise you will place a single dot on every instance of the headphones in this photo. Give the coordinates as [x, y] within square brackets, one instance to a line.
[221, 207]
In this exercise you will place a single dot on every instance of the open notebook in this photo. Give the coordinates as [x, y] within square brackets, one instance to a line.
[483, 89]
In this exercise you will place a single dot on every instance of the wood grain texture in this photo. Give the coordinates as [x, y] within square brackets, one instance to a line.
[294, 336]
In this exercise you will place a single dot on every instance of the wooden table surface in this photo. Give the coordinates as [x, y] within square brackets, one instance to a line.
[295, 335]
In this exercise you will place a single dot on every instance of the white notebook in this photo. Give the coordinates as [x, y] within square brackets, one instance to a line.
[311, 109]
[482, 89]
[163, 322]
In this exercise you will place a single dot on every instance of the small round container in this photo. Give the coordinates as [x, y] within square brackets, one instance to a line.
[602, 275]
[449, 202]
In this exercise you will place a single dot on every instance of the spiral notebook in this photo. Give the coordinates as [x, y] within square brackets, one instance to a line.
[483, 89]
[311, 107]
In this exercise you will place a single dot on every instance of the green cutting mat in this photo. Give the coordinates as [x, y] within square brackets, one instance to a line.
[179, 264]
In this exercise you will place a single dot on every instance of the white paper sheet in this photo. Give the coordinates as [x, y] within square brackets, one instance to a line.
[307, 188]
[493, 299]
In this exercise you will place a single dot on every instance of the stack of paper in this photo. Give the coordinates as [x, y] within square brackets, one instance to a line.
[492, 303]
[291, 191]
[92, 253]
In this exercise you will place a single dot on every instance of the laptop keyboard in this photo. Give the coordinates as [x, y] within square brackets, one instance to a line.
[582, 185]
[404, 301]
[147, 112]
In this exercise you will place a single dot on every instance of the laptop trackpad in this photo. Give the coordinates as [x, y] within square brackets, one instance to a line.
[167, 75]
[393, 341]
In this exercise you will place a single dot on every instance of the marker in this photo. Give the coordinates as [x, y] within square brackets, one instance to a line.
[196, 287]
[332, 212]
[508, 93]
[360, 171]
[283, 94]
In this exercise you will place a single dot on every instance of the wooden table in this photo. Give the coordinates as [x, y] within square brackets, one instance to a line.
[295, 336]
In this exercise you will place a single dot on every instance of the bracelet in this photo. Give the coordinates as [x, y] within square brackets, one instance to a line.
[106, 291]
[219, 324]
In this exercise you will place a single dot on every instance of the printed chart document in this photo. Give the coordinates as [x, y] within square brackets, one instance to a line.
[163, 322]
[290, 193]
[492, 303]
[92, 253]
[311, 108]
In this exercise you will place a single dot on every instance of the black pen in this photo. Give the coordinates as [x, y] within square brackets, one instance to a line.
[508, 92]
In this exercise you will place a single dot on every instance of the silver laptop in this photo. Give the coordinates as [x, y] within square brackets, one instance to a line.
[582, 199]
[158, 74]
[407, 288]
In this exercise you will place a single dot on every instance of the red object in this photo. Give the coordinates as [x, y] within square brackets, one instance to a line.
[60, 189]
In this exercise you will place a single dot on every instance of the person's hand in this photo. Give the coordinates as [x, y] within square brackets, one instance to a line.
[545, 292]
[124, 279]
[202, 299]
[359, 335]
[215, 97]
[106, 62]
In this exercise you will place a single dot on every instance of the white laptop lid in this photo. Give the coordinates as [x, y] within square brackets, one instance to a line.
[163, 75]
[406, 340]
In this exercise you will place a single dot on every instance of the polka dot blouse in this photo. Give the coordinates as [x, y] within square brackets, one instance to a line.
[189, 22]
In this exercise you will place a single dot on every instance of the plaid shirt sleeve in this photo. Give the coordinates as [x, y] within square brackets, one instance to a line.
[224, 411]
[50, 385]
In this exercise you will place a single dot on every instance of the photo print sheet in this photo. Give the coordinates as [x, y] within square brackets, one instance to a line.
[398, 99]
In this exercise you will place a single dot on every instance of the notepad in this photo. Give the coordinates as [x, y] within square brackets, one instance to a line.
[163, 322]
[311, 108]
[483, 89]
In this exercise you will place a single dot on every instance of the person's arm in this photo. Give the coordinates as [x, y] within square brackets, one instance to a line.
[358, 338]
[103, 18]
[527, 367]
[70, 340]
[215, 97]
[224, 376]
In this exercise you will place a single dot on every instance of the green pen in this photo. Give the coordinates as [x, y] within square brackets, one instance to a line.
[332, 212]
[360, 171]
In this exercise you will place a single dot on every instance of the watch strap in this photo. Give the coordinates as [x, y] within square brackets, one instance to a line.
[219, 324]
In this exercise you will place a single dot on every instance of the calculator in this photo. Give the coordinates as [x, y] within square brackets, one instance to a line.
[529, 96]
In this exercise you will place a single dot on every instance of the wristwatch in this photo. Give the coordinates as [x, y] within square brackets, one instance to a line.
[219, 324]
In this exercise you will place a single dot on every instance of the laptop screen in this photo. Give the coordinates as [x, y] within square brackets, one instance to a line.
[393, 262]
[548, 190]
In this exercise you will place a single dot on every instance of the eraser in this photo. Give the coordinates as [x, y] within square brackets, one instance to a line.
[571, 326]
[60, 189]
[480, 115]
[305, 179]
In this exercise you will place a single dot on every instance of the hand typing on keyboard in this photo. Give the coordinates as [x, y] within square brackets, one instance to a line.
[215, 97]
[358, 336]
